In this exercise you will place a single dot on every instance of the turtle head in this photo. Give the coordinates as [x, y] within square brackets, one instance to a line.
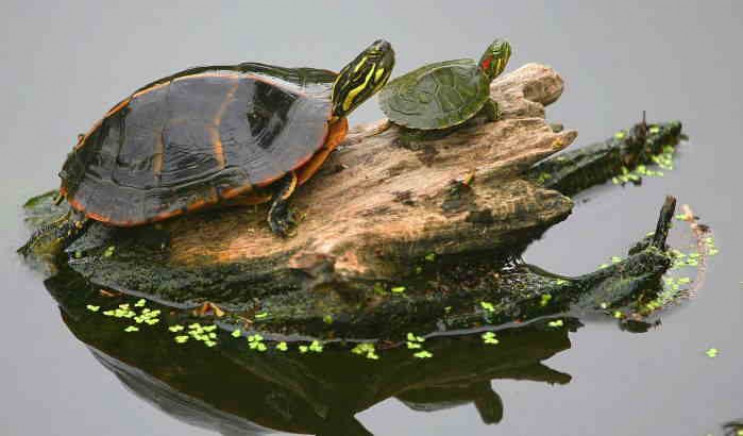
[363, 77]
[495, 58]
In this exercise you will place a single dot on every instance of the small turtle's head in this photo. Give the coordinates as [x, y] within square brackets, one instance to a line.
[363, 77]
[495, 58]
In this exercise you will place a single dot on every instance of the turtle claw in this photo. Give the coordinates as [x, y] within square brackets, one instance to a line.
[282, 222]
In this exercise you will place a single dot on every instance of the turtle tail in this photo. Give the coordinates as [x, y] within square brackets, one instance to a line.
[53, 237]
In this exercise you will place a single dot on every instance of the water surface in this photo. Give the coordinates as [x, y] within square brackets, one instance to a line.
[66, 63]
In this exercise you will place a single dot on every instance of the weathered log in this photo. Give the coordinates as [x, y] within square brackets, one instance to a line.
[377, 203]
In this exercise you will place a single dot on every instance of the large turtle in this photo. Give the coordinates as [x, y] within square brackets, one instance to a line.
[445, 94]
[242, 134]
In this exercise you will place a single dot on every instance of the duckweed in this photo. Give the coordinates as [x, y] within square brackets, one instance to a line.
[545, 299]
[255, 342]
[556, 324]
[423, 355]
[489, 338]
[367, 349]
[316, 347]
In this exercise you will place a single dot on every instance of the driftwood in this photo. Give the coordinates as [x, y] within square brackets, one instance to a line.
[377, 202]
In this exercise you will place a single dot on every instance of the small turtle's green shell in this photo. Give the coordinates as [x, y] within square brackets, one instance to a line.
[436, 96]
[199, 137]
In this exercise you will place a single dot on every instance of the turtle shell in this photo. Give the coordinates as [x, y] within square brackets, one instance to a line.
[436, 96]
[199, 137]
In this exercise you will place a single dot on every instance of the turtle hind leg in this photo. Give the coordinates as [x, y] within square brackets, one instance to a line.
[280, 218]
[491, 111]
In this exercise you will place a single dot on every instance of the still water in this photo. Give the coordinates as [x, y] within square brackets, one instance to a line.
[66, 63]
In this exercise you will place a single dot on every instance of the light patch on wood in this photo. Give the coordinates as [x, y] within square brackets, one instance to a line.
[351, 219]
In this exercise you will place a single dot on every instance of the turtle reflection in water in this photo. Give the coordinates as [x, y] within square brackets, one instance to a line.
[235, 390]
[244, 134]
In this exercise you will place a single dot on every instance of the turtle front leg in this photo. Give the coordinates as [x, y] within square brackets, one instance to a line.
[491, 110]
[280, 218]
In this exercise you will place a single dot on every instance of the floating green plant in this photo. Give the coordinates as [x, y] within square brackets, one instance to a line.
[147, 316]
[131, 329]
[397, 289]
[545, 299]
[255, 342]
[663, 160]
[489, 338]
[423, 355]
[109, 251]
[205, 334]
[613, 260]
[261, 315]
[489, 307]
[712, 353]
[315, 347]
[415, 342]
[543, 177]
[93, 308]
[367, 350]
[236, 333]
[282, 346]
[430, 257]
[556, 324]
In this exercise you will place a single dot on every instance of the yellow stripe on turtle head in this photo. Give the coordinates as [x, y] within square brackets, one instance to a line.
[355, 91]
[359, 65]
[378, 74]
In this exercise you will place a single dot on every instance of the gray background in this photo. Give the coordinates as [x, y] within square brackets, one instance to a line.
[65, 63]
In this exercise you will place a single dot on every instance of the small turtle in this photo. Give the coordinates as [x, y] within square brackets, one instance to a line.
[241, 134]
[444, 95]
